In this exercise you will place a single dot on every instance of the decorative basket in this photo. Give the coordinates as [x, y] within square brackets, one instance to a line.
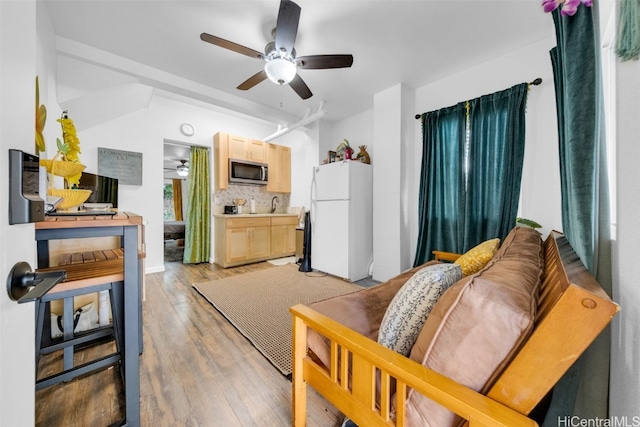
[70, 197]
[62, 168]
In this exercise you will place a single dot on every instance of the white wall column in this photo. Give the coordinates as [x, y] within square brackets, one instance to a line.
[391, 136]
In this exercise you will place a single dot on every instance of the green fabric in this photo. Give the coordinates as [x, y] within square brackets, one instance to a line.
[440, 199]
[583, 391]
[575, 80]
[468, 195]
[628, 37]
[495, 164]
[197, 246]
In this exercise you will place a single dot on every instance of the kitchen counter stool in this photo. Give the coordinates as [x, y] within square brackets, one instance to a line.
[70, 340]
[123, 278]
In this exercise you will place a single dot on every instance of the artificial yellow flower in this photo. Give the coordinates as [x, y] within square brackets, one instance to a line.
[70, 148]
[41, 118]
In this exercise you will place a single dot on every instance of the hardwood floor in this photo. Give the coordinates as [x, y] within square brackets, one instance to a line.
[196, 368]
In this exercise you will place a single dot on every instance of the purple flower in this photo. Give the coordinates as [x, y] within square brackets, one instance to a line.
[569, 7]
[550, 5]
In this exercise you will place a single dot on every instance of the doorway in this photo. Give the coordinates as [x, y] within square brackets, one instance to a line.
[175, 198]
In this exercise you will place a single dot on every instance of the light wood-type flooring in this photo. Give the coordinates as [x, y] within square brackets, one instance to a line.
[196, 368]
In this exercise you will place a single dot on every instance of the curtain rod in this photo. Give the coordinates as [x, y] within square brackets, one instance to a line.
[536, 82]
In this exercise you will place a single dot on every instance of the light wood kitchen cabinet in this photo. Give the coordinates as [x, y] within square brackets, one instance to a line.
[242, 148]
[247, 244]
[226, 146]
[246, 239]
[283, 235]
[220, 161]
[279, 160]
[242, 240]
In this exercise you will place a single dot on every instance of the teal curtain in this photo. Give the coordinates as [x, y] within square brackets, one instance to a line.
[471, 170]
[583, 391]
[628, 37]
[440, 200]
[197, 246]
[496, 156]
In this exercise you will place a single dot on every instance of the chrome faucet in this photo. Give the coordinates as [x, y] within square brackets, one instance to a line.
[273, 203]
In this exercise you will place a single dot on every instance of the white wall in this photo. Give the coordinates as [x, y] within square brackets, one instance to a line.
[390, 254]
[304, 156]
[357, 129]
[625, 363]
[17, 328]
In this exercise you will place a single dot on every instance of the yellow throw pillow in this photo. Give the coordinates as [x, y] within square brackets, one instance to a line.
[476, 258]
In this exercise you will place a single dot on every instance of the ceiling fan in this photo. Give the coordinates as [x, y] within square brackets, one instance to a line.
[182, 169]
[280, 59]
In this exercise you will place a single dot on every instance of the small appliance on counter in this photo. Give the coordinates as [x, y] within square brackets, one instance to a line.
[230, 209]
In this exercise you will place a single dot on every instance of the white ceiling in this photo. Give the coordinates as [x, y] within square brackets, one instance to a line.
[124, 51]
[157, 43]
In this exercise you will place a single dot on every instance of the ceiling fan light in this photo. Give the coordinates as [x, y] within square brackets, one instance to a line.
[280, 70]
[182, 170]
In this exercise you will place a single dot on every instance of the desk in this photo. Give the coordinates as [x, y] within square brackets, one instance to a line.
[127, 226]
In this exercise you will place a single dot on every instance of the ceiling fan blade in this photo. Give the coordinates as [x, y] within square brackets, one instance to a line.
[231, 46]
[287, 25]
[318, 62]
[253, 80]
[300, 87]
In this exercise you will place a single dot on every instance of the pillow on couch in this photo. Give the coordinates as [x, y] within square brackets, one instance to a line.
[361, 311]
[478, 325]
[409, 308]
[476, 258]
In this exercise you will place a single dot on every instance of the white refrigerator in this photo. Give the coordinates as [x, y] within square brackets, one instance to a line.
[342, 219]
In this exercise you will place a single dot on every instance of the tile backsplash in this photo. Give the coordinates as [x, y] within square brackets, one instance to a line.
[259, 193]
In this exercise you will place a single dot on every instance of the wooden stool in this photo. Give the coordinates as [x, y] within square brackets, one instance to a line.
[82, 278]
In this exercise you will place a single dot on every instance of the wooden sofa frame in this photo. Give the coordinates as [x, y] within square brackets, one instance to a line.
[572, 311]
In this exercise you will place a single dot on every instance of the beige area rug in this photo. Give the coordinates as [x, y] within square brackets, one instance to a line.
[257, 304]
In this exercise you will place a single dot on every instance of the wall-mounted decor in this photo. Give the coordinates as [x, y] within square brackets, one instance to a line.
[187, 129]
[124, 165]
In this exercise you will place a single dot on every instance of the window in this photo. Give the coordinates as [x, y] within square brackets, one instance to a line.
[168, 209]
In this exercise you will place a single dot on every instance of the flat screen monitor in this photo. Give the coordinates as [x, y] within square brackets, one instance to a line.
[103, 188]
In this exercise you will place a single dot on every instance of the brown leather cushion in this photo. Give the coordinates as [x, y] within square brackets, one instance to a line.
[361, 311]
[477, 326]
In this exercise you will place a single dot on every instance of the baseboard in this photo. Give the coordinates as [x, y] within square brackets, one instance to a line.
[156, 269]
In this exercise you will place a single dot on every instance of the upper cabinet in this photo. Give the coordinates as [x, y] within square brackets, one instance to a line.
[278, 158]
[246, 149]
[221, 161]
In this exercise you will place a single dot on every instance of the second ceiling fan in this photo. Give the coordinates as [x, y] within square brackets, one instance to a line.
[280, 59]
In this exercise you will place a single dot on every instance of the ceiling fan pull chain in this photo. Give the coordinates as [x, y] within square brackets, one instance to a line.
[281, 97]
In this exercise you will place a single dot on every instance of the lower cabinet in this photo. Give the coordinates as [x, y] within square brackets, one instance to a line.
[283, 236]
[247, 243]
[243, 240]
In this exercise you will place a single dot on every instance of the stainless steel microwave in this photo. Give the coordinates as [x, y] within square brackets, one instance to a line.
[246, 172]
